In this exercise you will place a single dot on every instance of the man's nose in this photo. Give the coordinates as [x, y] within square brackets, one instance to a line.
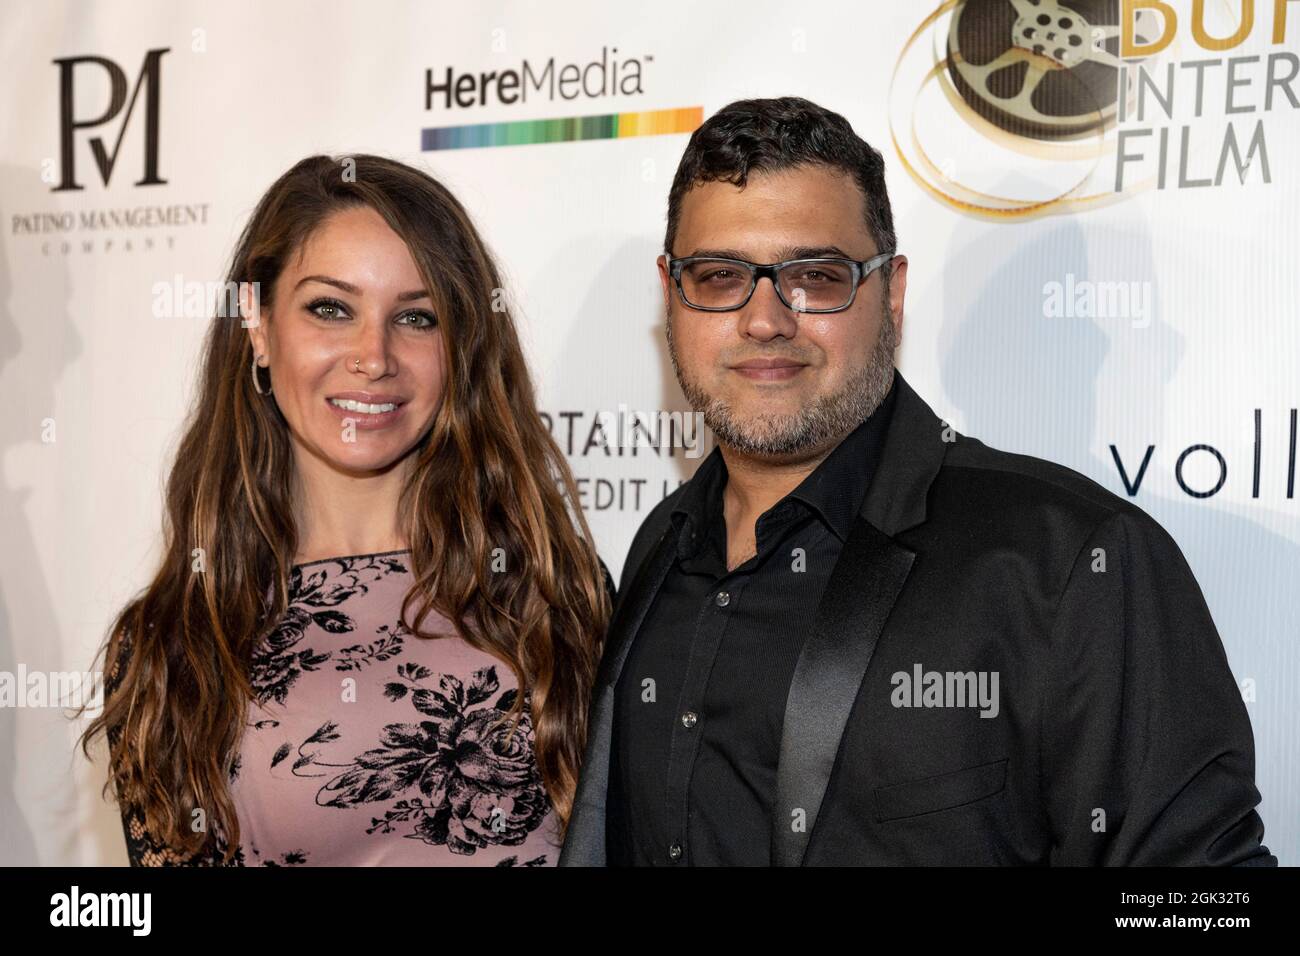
[765, 316]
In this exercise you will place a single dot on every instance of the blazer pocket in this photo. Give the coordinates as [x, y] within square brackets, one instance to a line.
[941, 792]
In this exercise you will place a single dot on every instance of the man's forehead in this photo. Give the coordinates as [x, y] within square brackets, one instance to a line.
[806, 206]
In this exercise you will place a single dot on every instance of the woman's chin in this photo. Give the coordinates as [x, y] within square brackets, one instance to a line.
[367, 456]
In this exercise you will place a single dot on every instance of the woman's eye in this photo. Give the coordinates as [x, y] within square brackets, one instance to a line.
[328, 309]
[332, 310]
[419, 319]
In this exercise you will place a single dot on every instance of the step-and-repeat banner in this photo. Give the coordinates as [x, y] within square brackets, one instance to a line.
[1098, 200]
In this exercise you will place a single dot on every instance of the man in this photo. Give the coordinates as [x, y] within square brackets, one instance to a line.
[857, 636]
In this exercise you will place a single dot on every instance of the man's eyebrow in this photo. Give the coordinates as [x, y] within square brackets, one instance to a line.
[785, 253]
[353, 290]
[718, 254]
[814, 252]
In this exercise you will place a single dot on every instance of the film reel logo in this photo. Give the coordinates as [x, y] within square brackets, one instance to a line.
[1047, 73]
[1036, 78]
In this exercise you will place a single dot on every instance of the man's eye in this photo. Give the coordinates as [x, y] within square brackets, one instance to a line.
[821, 276]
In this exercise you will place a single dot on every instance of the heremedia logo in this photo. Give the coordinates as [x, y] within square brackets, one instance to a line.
[606, 75]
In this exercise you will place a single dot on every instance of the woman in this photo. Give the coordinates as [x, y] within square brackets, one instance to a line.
[377, 621]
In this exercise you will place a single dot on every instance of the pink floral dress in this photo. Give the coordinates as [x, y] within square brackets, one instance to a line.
[368, 745]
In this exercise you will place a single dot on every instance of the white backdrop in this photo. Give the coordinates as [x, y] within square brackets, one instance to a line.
[1015, 330]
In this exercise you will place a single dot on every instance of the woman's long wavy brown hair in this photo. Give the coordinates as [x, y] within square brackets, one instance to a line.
[488, 475]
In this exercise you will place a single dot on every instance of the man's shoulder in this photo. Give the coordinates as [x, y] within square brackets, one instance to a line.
[652, 529]
[1019, 488]
[985, 500]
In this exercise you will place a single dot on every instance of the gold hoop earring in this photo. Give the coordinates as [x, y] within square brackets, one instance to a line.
[256, 384]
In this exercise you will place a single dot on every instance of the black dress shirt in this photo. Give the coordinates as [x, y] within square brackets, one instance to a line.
[700, 703]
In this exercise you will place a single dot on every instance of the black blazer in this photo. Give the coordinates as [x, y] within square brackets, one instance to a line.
[1120, 737]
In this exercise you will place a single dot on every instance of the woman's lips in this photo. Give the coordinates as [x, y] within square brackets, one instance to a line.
[365, 421]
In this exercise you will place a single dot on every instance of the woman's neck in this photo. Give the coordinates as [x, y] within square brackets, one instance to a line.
[339, 513]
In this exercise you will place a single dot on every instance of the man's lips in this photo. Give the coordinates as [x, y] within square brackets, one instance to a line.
[769, 369]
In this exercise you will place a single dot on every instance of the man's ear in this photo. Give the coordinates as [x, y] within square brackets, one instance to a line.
[665, 280]
[897, 292]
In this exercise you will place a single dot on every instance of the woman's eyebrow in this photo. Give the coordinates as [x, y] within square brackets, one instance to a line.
[349, 288]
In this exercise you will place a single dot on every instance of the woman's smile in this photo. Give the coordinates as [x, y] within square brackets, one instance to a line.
[366, 410]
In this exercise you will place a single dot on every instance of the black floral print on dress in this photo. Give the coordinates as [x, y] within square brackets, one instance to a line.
[313, 600]
[474, 771]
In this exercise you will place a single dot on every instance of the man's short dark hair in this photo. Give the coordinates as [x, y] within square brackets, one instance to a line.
[765, 136]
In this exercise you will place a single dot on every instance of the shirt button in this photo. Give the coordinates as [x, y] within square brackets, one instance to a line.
[689, 719]
[723, 599]
[675, 852]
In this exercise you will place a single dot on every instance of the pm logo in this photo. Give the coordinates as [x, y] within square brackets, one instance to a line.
[148, 81]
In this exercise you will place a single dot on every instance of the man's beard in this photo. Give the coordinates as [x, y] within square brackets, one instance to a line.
[826, 419]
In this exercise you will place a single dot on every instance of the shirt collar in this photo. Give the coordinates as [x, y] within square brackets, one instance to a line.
[835, 489]
[701, 499]
[838, 486]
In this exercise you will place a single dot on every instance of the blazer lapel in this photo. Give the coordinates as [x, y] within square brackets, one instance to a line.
[864, 586]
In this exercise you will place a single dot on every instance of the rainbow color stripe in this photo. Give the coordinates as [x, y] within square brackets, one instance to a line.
[567, 130]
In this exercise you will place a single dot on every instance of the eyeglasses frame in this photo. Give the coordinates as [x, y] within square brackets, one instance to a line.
[862, 269]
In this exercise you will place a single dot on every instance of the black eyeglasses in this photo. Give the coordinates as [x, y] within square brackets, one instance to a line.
[803, 285]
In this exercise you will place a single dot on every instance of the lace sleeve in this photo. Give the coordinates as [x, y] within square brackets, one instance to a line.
[142, 847]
